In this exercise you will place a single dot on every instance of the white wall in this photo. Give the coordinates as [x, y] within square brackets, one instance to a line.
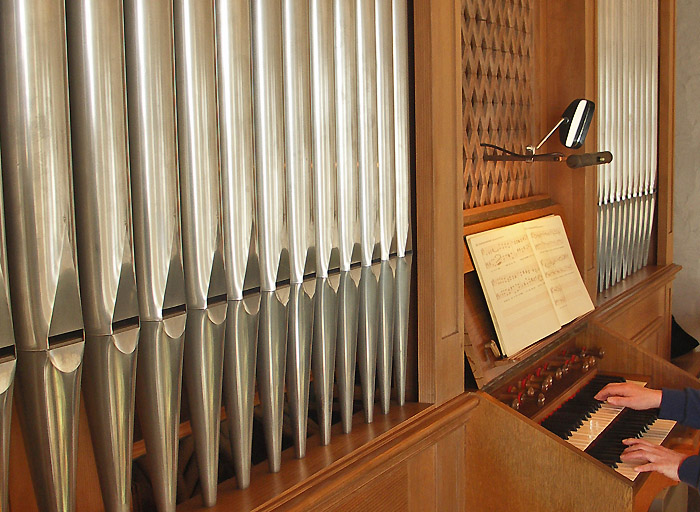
[686, 224]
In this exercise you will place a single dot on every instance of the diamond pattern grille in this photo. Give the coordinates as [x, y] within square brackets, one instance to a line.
[497, 83]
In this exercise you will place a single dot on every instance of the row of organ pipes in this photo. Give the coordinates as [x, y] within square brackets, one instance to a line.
[218, 189]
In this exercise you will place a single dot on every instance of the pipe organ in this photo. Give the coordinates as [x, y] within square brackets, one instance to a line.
[210, 197]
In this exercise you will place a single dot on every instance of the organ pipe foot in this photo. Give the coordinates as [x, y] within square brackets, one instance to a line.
[367, 339]
[158, 386]
[203, 371]
[109, 378]
[49, 395]
[272, 349]
[240, 352]
[300, 317]
[385, 342]
[401, 301]
[346, 350]
[7, 381]
[323, 354]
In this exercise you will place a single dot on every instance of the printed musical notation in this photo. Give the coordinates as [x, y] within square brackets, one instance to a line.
[530, 280]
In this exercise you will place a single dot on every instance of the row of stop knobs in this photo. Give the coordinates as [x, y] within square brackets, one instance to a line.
[532, 388]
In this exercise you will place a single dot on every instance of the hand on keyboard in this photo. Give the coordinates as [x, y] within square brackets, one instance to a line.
[652, 457]
[627, 394]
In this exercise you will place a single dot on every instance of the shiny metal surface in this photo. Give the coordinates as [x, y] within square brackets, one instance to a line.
[367, 324]
[367, 127]
[158, 387]
[7, 383]
[36, 160]
[402, 298]
[203, 373]
[346, 349]
[100, 163]
[103, 226]
[49, 392]
[323, 354]
[272, 350]
[202, 244]
[153, 148]
[297, 134]
[109, 376]
[233, 37]
[323, 109]
[268, 116]
[402, 141]
[385, 126]
[385, 334]
[344, 25]
[240, 353]
[300, 316]
[200, 192]
[37, 178]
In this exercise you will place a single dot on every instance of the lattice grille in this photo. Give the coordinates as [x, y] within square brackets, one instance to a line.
[497, 49]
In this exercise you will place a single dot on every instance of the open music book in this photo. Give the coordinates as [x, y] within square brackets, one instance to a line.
[530, 280]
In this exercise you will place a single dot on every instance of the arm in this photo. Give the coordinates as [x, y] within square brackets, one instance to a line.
[682, 405]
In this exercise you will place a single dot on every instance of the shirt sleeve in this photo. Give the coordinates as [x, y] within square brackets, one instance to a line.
[682, 405]
[689, 471]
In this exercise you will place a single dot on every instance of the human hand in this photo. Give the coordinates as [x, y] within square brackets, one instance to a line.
[653, 457]
[630, 395]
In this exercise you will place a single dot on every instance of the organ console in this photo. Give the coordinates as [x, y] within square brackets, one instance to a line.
[538, 417]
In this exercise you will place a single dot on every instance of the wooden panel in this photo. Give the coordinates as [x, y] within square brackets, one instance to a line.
[667, 105]
[423, 491]
[497, 105]
[567, 70]
[382, 451]
[374, 495]
[635, 317]
[439, 255]
[515, 465]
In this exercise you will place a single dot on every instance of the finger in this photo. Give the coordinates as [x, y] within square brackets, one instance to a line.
[610, 390]
[635, 441]
[645, 468]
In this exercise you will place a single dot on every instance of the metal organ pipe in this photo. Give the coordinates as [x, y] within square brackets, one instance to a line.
[157, 243]
[200, 193]
[368, 190]
[269, 161]
[233, 36]
[324, 175]
[105, 243]
[42, 259]
[297, 120]
[344, 27]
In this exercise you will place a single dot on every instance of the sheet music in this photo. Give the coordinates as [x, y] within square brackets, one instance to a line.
[515, 291]
[530, 280]
[558, 267]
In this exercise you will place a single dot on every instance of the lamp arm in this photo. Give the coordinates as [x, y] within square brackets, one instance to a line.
[549, 134]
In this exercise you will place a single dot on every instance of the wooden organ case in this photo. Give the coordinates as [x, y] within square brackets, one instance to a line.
[513, 462]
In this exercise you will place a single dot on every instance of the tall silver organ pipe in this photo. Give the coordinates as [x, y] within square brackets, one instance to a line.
[269, 161]
[325, 298]
[8, 364]
[344, 27]
[386, 196]
[233, 36]
[297, 120]
[368, 191]
[200, 193]
[157, 242]
[402, 194]
[41, 252]
[105, 242]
